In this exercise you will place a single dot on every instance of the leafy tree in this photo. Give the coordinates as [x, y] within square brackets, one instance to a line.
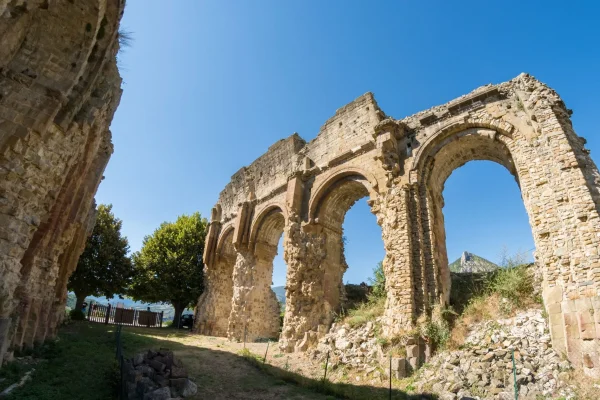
[378, 281]
[103, 269]
[169, 267]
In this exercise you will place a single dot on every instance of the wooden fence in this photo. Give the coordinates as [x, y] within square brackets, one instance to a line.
[124, 316]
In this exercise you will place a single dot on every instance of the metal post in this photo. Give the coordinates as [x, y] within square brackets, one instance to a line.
[326, 364]
[390, 376]
[515, 375]
[107, 314]
[266, 351]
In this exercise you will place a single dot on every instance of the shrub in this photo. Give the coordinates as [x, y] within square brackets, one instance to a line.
[514, 284]
[437, 332]
[76, 315]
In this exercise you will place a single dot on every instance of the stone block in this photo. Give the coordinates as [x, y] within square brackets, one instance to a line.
[412, 350]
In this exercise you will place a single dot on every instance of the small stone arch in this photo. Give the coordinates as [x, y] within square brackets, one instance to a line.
[343, 175]
[268, 224]
[225, 242]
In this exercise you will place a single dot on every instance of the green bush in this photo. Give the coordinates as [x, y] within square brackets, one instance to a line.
[514, 284]
[77, 315]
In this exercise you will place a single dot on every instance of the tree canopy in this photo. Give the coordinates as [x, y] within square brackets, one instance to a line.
[169, 267]
[103, 269]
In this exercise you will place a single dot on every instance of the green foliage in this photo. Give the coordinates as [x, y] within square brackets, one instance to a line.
[169, 266]
[366, 312]
[76, 315]
[437, 332]
[378, 282]
[104, 269]
[513, 281]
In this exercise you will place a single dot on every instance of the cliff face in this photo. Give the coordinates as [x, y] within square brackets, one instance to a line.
[59, 89]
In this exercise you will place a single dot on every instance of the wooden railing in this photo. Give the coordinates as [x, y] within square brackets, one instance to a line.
[124, 316]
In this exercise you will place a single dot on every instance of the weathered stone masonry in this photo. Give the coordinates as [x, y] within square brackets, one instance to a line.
[303, 190]
[59, 88]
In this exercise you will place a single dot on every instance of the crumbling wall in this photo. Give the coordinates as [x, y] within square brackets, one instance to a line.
[402, 166]
[59, 89]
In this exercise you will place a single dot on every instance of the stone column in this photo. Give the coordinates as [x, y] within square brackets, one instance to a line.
[241, 305]
[307, 313]
[214, 305]
[396, 220]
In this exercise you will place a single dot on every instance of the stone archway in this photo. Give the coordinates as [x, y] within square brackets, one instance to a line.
[402, 166]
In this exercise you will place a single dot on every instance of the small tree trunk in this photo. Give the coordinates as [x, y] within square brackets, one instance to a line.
[178, 311]
[80, 300]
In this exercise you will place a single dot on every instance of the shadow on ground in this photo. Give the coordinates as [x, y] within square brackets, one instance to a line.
[81, 365]
[226, 375]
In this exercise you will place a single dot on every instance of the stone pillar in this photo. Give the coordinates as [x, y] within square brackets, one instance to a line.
[396, 220]
[214, 305]
[307, 313]
[240, 324]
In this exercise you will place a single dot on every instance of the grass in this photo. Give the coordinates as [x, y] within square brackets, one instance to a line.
[499, 294]
[365, 312]
[77, 365]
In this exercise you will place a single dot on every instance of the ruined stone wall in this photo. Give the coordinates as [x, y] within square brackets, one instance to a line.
[401, 166]
[59, 89]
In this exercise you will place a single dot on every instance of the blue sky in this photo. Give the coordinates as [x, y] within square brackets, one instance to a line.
[210, 85]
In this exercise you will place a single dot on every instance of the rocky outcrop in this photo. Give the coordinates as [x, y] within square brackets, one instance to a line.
[471, 263]
[59, 89]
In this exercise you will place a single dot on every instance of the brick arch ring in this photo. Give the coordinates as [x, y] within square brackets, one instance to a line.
[262, 214]
[428, 148]
[336, 176]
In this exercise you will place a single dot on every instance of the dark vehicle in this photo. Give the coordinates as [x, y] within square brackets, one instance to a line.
[186, 321]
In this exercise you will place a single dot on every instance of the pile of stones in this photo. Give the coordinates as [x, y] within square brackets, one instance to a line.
[157, 375]
[483, 369]
[356, 348]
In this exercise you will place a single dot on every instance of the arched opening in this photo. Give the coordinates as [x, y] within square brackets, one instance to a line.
[363, 252]
[266, 237]
[330, 208]
[487, 152]
[484, 217]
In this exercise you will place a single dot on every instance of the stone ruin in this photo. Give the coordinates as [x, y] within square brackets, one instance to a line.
[303, 190]
[59, 88]
[157, 375]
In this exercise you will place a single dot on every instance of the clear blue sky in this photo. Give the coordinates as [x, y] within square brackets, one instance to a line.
[210, 85]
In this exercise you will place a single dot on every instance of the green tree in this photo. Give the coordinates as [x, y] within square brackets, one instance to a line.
[169, 267]
[103, 269]
[378, 281]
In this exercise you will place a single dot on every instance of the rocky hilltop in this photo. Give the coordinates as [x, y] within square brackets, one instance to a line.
[469, 263]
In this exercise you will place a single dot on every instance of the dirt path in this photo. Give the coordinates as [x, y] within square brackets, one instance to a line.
[222, 373]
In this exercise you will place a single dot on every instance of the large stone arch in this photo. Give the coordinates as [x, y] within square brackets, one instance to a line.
[402, 166]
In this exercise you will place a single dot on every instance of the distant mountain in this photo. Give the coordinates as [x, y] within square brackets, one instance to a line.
[280, 293]
[469, 262]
